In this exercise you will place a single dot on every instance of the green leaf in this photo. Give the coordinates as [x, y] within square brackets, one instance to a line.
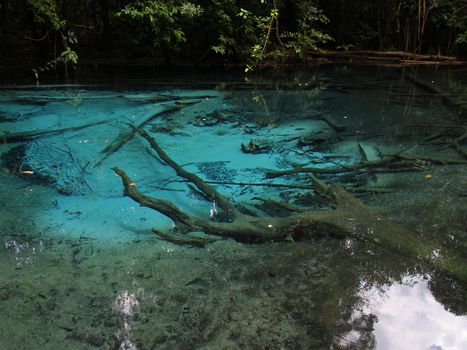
[220, 49]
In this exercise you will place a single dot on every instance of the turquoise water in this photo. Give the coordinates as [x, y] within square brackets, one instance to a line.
[81, 269]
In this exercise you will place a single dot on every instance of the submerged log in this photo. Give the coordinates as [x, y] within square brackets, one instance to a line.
[430, 86]
[359, 189]
[369, 154]
[344, 169]
[209, 191]
[440, 138]
[393, 161]
[126, 135]
[21, 136]
[351, 219]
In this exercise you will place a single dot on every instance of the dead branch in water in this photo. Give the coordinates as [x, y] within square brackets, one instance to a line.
[293, 186]
[351, 219]
[21, 136]
[126, 135]
[393, 161]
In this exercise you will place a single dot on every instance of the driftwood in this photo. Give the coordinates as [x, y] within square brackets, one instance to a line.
[351, 219]
[126, 135]
[28, 135]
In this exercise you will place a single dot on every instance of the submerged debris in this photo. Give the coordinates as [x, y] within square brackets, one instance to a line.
[210, 119]
[257, 146]
[12, 117]
[46, 165]
[217, 171]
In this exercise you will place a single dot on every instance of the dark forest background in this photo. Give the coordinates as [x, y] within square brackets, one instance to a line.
[44, 37]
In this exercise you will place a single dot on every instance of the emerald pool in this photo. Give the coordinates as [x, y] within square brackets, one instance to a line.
[81, 267]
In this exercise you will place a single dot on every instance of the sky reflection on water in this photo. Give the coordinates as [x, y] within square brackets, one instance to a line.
[409, 317]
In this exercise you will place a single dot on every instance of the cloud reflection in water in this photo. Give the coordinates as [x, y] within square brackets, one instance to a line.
[409, 317]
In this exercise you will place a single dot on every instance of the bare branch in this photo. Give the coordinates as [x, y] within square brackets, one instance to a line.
[229, 210]
[162, 206]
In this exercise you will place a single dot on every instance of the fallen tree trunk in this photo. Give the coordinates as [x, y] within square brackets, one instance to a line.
[351, 219]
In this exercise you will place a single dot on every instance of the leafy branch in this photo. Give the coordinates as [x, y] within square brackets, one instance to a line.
[165, 18]
[268, 40]
[45, 12]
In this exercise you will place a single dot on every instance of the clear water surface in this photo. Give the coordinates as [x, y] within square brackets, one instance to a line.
[81, 269]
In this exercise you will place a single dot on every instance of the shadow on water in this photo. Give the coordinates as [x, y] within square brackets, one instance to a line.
[81, 269]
